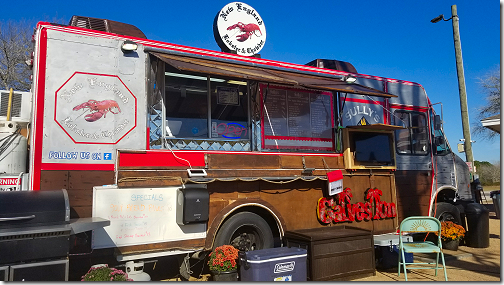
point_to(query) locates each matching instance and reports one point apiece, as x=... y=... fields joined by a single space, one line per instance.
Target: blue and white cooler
x=387 y=250
x=274 y=264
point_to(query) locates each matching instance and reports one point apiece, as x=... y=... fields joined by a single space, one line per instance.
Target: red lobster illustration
x=247 y=30
x=98 y=109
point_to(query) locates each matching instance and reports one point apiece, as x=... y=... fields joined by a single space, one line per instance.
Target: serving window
x=296 y=119
x=203 y=107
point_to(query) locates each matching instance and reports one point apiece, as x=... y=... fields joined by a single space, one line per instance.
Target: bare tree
x=490 y=84
x=16 y=47
x=489 y=173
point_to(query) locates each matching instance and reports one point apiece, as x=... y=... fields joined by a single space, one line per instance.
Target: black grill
x=34 y=230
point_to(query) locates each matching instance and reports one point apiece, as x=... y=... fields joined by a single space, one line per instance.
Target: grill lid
x=34 y=208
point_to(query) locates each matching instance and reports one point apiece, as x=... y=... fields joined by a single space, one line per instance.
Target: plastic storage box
x=274 y=264
x=387 y=250
x=335 y=253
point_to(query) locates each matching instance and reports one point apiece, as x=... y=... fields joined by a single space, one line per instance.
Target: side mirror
x=437 y=123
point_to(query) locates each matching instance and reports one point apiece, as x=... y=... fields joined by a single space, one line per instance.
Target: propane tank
x=13 y=148
x=135 y=271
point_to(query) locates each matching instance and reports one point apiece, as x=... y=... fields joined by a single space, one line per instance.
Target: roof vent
x=333 y=64
x=108 y=26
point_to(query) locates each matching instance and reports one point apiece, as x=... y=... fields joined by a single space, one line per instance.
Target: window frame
x=330 y=147
x=411 y=135
x=209 y=95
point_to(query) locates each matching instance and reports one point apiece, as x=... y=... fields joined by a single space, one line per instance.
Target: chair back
x=420 y=224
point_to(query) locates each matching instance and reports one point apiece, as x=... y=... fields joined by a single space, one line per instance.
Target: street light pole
x=461 y=81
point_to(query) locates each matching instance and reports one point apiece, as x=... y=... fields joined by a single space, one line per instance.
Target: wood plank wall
x=79 y=185
x=413 y=193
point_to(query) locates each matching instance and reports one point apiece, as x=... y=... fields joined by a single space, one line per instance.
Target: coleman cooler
x=387 y=250
x=274 y=264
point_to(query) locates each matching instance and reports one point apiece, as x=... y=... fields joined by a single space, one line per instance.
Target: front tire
x=245 y=230
x=448 y=212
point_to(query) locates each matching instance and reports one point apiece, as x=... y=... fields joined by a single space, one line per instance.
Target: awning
x=266 y=75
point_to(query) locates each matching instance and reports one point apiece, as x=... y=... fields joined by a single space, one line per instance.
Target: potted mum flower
x=222 y=263
x=451 y=234
x=102 y=272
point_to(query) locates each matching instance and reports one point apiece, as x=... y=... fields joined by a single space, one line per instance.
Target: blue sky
x=393 y=39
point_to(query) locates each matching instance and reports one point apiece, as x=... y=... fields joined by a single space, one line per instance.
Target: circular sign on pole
x=238 y=27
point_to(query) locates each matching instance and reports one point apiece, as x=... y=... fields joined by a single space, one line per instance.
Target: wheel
x=245 y=231
x=448 y=212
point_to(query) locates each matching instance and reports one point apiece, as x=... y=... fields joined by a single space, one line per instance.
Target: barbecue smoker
x=35 y=229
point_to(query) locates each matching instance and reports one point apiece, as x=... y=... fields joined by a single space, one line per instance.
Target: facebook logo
x=107 y=156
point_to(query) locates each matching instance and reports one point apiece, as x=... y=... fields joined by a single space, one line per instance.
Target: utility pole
x=461 y=81
x=462 y=87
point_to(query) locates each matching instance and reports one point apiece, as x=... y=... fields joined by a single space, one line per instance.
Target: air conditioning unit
x=20 y=106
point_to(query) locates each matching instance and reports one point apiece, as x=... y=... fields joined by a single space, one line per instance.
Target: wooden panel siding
x=297 y=201
x=54 y=180
x=79 y=185
x=413 y=193
x=332 y=162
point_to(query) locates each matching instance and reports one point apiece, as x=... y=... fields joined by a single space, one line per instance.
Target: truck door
x=444 y=167
x=451 y=172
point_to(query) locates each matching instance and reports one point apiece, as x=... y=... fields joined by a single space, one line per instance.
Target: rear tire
x=448 y=212
x=247 y=230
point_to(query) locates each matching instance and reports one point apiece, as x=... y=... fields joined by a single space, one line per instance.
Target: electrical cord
x=8 y=141
x=167 y=145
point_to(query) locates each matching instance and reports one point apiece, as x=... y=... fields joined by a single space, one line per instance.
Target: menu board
x=321 y=116
x=298 y=114
x=227 y=96
x=296 y=117
x=139 y=216
x=276 y=113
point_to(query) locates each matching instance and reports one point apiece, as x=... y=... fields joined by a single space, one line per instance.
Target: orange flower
x=451 y=231
x=223 y=258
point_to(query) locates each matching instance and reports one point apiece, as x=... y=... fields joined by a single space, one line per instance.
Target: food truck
x=184 y=149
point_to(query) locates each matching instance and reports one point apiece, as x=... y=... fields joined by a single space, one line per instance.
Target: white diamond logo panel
x=95 y=108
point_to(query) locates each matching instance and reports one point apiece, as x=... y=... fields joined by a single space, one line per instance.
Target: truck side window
x=414 y=139
x=440 y=143
x=296 y=119
x=192 y=100
x=229 y=112
x=186 y=105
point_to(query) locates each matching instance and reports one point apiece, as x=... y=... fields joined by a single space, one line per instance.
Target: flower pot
x=221 y=276
x=451 y=244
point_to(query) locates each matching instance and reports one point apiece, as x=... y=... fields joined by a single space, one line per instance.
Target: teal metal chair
x=420 y=224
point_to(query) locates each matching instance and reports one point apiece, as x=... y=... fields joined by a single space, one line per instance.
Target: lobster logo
x=98 y=109
x=247 y=30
